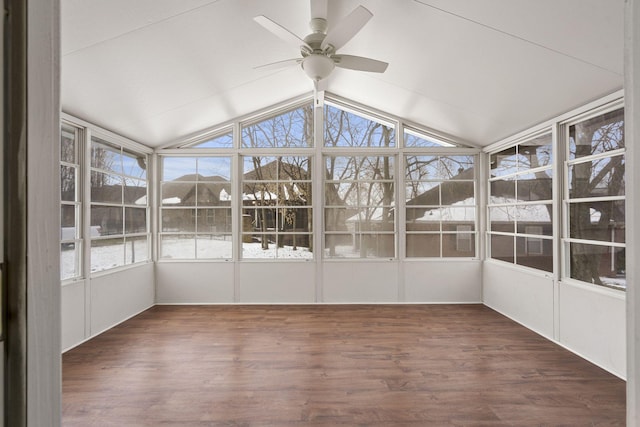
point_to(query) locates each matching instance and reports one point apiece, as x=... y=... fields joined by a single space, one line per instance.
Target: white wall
x=92 y=306
x=586 y=319
x=194 y=283
x=364 y=281
x=591 y=322
x=527 y=298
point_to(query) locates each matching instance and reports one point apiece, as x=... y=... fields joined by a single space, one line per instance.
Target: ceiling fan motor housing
x=318 y=66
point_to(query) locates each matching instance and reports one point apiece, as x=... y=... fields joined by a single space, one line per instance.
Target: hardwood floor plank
x=386 y=365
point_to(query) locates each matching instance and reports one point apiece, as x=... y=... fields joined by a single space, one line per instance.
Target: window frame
x=195 y=208
x=567 y=201
x=516 y=204
x=78 y=240
x=439 y=153
x=100 y=136
x=317 y=153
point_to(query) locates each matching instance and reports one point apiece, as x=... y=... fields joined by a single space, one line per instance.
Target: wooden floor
x=391 y=365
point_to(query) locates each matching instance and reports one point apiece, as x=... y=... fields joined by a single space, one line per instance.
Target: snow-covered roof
x=142 y=201
x=464 y=210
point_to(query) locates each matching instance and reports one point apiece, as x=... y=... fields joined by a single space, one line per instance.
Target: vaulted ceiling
x=480 y=70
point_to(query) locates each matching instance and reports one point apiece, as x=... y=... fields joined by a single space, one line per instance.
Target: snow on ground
x=177 y=248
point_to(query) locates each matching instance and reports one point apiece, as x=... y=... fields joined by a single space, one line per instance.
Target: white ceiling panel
x=158 y=70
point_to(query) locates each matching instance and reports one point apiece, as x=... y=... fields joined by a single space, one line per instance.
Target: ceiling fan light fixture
x=317 y=66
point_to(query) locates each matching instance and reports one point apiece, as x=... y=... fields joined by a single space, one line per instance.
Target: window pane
x=68 y=224
x=347 y=129
x=105 y=156
x=598 y=220
x=276 y=246
x=416 y=139
x=211 y=194
x=106 y=188
x=420 y=168
x=423 y=219
x=178 y=194
x=423 y=245
x=179 y=220
x=221 y=141
x=422 y=193
x=453 y=192
x=597 y=178
x=503 y=191
x=177 y=247
x=134 y=165
x=210 y=246
x=108 y=218
x=502 y=218
x=70 y=260
x=68 y=144
x=257 y=245
x=535 y=253
x=135 y=220
x=364 y=245
x=535 y=153
x=535 y=188
x=107 y=253
x=214 y=169
x=179 y=168
x=335 y=219
x=601 y=265
x=136 y=249
x=597 y=135
x=541 y=228
x=533 y=214
x=68 y=183
x=458 y=245
x=290 y=129
x=504 y=162
x=214 y=221
x=502 y=248
x=135 y=192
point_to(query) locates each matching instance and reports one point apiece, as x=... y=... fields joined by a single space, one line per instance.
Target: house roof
x=159 y=70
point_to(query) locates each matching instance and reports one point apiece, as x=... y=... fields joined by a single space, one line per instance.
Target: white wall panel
x=194 y=283
x=73 y=314
x=370 y=282
x=592 y=324
x=525 y=297
x=276 y=282
x=443 y=281
x=120 y=295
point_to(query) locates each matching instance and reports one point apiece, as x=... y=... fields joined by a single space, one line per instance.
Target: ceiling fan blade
x=319 y=9
x=360 y=63
x=347 y=28
x=279 y=64
x=281 y=32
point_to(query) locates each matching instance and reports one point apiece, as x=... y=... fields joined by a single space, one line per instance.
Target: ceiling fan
x=318 y=49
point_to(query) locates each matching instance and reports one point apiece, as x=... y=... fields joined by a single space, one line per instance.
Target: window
x=276 y=207
x=344 y=128
x=224 y=140
x=464 y=238
x=71 y=241
x=359 y=207
x=280 y=167
x=413 y=138
x=440 y=206
x=594 y=238
x=533 y=245
x=520 y=204
x=195 y=208
x=291 y=129
x=119 y=206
